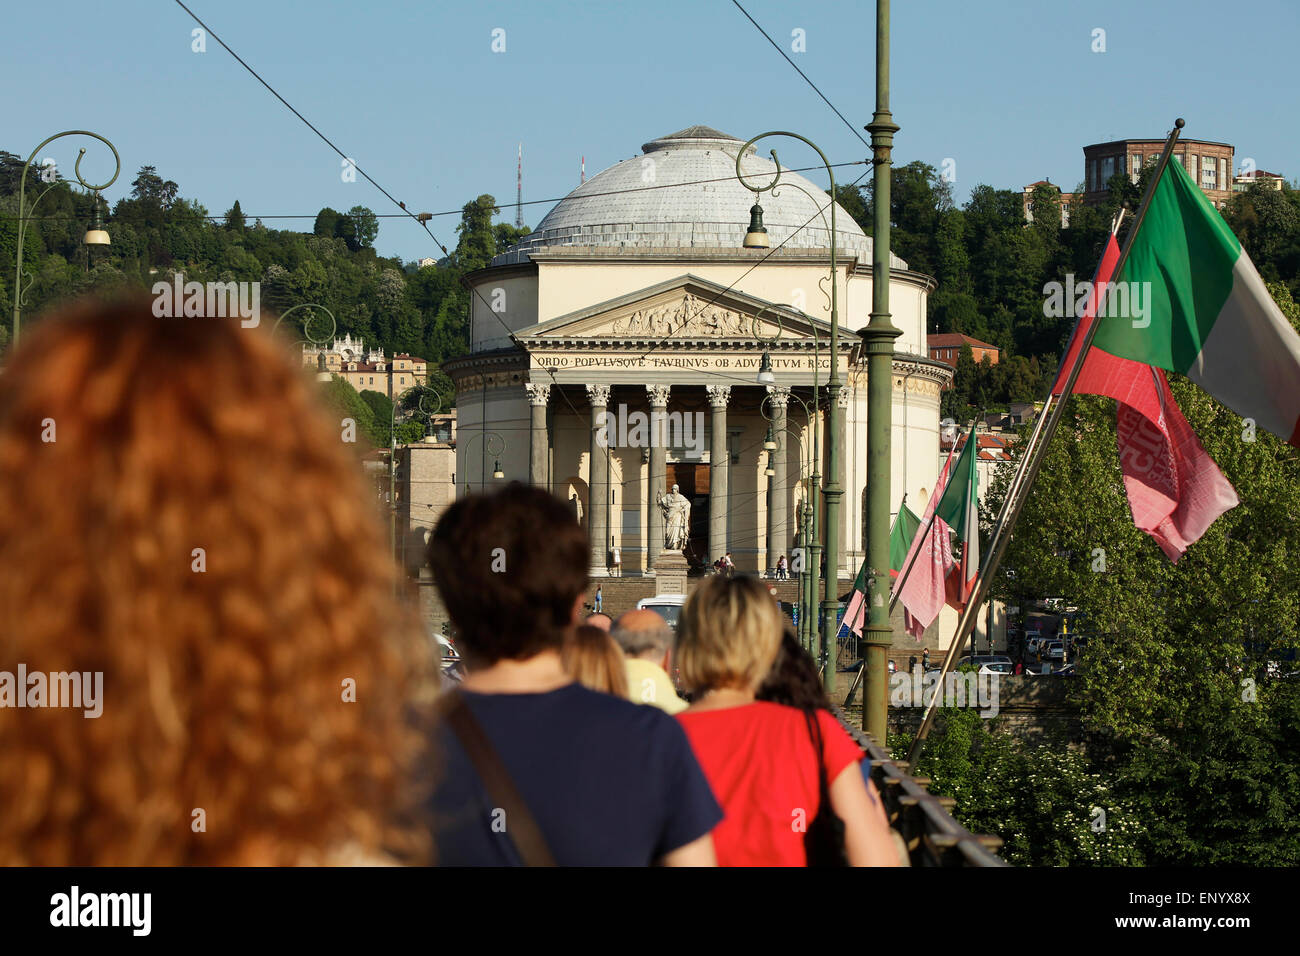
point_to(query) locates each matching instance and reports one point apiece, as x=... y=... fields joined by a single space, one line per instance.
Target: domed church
x=616 y=352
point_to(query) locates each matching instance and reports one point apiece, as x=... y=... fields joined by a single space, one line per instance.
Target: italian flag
x=1191 y=301
x=933 y=577
x=960 y=509
x=906 y=525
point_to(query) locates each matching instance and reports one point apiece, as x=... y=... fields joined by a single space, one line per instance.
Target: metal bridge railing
x=928 y=831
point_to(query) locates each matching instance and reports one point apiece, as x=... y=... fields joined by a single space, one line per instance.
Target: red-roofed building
x=945 y=347
x=991 y=451
x=1259 y=176
x=368 y=369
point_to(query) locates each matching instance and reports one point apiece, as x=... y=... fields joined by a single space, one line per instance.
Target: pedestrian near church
x=594 y=780
x=771 y=766
x=600 y=599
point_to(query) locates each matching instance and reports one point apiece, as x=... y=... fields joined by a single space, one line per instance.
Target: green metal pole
x=392 y=485
x=878 y=346
x=815 y=552
x=23 y=214
x=832 y=491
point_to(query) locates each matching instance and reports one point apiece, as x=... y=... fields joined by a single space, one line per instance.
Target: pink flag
x=1175 y=489
x=855 y=615
x=924 y=591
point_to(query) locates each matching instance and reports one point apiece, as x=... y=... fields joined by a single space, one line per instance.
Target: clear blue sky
x=1009 y=89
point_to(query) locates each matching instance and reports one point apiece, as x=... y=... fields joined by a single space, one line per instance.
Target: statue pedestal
x=670 y=572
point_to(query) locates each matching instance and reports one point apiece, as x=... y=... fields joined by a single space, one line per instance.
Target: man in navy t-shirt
x=608 y=782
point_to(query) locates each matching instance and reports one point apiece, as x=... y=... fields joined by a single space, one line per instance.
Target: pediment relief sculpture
x=688 y=317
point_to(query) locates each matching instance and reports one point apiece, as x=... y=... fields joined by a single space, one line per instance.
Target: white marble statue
x=677 y=520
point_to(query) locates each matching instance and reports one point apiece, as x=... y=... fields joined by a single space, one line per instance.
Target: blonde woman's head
x=591 y=657
x=728 y=634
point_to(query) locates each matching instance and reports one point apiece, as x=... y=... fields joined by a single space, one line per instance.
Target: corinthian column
x=778 y=517
x=658 y=468
x=719 y=471
x=538 y=447
x=598 y=481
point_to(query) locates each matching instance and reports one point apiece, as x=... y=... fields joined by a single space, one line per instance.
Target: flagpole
x=857 y=678
x=897 y=585
x=916 y=552
x=1013 y=489
x=999 y=545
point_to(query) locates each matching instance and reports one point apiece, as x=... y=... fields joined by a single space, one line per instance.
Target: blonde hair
x=593 y=659
x=728 y=634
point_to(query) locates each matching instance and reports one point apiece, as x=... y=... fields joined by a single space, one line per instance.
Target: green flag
x=906 y=525
x=1188 y=299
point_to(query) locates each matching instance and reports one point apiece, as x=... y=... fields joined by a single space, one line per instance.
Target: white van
x=667 y=606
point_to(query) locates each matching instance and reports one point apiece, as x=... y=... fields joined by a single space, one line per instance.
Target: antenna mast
x=519 y=190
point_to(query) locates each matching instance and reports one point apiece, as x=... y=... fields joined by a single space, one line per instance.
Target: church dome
x=682 y=192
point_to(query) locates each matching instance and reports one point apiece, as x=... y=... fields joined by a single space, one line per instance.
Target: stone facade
x=368 y=370
x=631 y=308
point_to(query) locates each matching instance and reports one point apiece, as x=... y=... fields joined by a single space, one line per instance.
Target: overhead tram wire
x=328 y=142
x=778 y=49
x=513 y=338
x=456 y=212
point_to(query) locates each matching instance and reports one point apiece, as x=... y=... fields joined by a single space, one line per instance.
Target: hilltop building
x=369 y=370
x=945 y=347
x=1208 y=163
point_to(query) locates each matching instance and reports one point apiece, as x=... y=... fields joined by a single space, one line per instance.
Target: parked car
x=981 y=660
x=667 y=606
x=1055 y=650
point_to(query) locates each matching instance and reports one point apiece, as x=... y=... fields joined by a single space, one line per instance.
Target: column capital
x=842 y=399
x=778 y=395
x=658 y=395
x=719 y=395
x=539 y=393
x=598 y=395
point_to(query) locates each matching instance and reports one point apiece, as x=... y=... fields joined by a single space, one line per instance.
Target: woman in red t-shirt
x=759 y=757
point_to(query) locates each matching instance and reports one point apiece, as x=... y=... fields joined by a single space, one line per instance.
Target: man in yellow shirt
x=647 y=643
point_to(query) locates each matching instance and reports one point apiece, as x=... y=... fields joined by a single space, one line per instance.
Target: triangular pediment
x=685 y=308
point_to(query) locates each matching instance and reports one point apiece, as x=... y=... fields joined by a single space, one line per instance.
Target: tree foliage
x=992 y=264
x=156 y=232
x=1187 y=719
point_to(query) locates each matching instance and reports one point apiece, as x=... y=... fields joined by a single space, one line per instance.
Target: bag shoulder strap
x=522 y=828
x=815 y=731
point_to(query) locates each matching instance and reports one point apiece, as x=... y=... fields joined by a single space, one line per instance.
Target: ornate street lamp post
x=807 y=513
x=832 y=490
x=424 y=391
x=94 y=236
x=810 y=536
x=490 y=440
x=878 y=346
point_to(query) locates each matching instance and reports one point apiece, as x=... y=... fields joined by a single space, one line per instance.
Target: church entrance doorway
x=693 y=481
